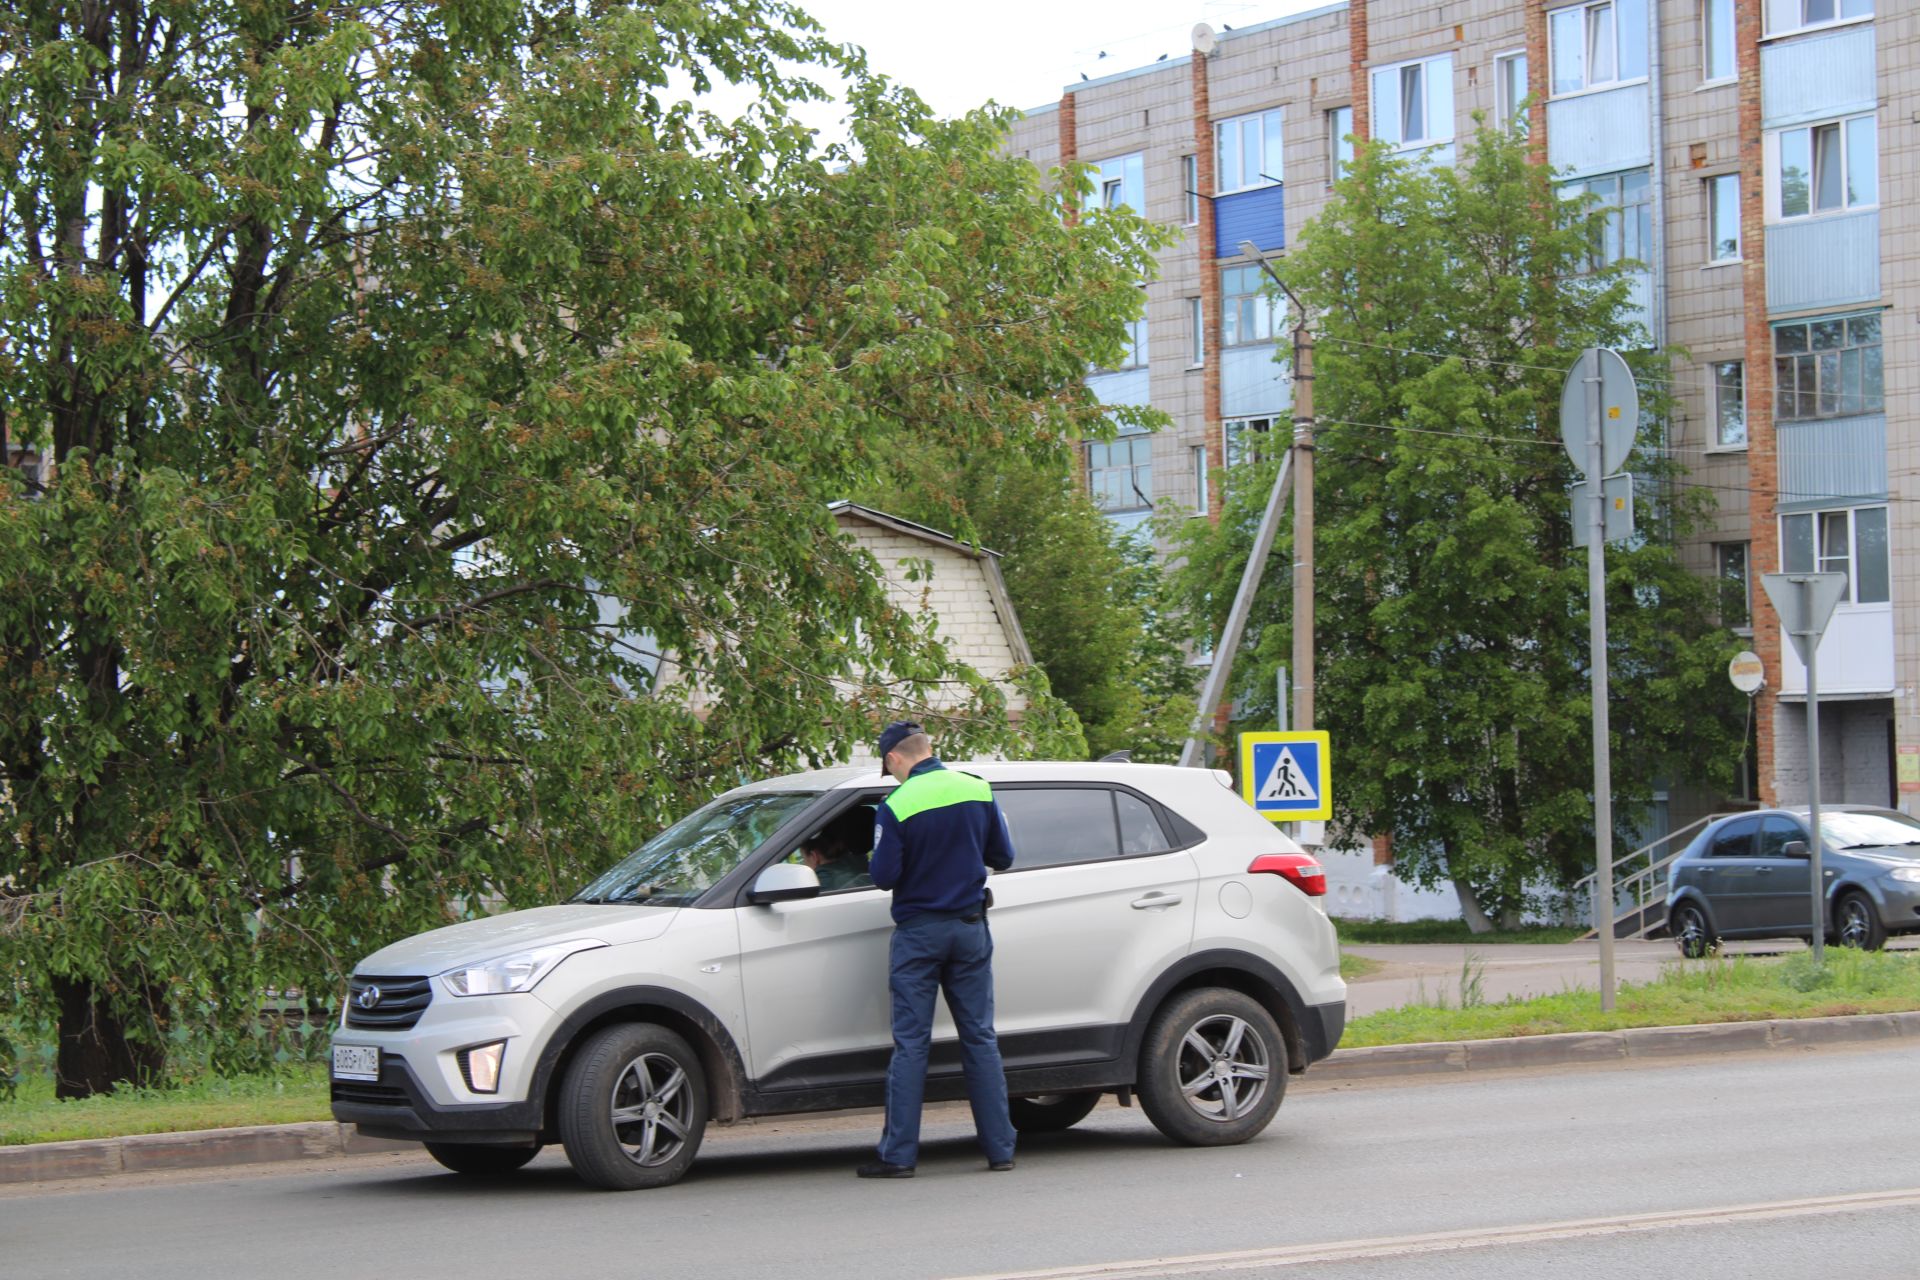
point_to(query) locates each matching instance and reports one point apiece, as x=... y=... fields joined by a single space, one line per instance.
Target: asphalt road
x=1757 y=1165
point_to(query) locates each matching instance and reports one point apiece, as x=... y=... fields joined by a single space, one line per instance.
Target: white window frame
x=1275 y=313
x=1716 y=395
x=1508 y=115
x=1196 y=333
x=1789 y=17
x=1711 y=188
x=1775 y=192
x=1436 y=91
x=1136 y=469
x=1271 y=124
x=1744 y=578
x=1588 y=83
x=1825 y=371
x=1198 y=454
x=1121 y=173
x=1237 y=433
x=1848 y=564
x=1339 y=149
x=1708 y=25
x=1616 y=211
x=1190 y=189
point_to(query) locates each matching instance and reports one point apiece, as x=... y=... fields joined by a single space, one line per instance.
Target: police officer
x=935 y=838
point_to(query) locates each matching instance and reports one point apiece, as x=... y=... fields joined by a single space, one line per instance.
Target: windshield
x=1868 y=830
x=689 y=857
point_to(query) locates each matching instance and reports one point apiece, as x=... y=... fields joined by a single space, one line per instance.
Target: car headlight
x=520 y=971
x=1910 y=874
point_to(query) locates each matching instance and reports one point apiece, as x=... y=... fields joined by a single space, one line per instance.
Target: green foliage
x=415 y=374
x=1089 y=600
x=1409 y=932
x=1451 y=608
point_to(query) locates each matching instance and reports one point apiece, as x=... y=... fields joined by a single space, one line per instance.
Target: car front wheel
x=1052 y=1112
x=1857 y=924
x=1213 y=1068
x=633 y=1108
x=479 y=1159
x=1691 y=933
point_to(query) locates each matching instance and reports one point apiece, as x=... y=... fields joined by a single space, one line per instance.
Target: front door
x=1731 y=877
x=1783 y=890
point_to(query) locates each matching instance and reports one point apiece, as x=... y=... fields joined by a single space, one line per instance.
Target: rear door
x=1097 y=902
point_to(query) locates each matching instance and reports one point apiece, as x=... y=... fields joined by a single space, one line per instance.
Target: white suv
x=1154 y=936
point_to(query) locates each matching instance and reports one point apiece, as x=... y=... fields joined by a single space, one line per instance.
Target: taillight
x=1302 y=870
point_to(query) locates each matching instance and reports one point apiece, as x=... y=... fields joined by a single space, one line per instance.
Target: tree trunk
x=95 y=1053
x=1470 y=908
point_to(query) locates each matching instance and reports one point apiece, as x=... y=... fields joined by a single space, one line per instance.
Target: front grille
x=370 y=1095
x=399 y=1004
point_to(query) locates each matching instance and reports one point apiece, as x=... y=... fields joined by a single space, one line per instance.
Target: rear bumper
x=397 y=1107
x=1322 y=1028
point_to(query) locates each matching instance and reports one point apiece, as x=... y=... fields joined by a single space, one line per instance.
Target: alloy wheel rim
x=1853 y=924
x=652 y=1109
x=1224 y=1068
x=1693 y=933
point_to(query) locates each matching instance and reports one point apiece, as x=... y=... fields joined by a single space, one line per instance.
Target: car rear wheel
x=479 y=1159
x=1691 y=932
x=1052 y=1112
x=633 y=1108
x=1213 y=1068
x=1857 y=924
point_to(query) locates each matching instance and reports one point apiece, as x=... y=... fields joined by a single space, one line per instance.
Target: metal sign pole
x=1597 y=641
x=1813 y=780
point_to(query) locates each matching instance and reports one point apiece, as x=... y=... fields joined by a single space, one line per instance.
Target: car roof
x=860 y=776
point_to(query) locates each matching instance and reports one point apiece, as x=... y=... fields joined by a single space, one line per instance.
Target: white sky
x=1021 y=53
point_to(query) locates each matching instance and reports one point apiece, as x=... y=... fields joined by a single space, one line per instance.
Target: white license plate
x=356 y=1062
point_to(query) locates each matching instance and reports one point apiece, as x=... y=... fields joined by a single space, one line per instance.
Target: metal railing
x=1643 y=884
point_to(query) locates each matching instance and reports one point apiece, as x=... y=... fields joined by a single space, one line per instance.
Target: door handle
x=1153 y=900
x=1765 y=871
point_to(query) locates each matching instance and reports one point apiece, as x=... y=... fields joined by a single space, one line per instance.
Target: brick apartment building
x=1759 y=160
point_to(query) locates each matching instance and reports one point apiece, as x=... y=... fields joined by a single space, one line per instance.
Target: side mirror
x=1794 y=849
x=784 y=882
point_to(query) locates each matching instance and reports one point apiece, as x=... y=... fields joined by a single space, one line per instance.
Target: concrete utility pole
x=1299 y=461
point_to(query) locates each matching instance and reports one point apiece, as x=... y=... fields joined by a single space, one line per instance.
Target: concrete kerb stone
x=263 y=1144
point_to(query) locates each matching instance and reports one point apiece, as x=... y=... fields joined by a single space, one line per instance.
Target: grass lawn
x=35 y=1116
x=1352 y=967
x=1425 y=931
x=1722 y=989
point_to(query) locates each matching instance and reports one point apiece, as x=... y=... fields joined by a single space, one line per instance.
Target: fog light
x=481 y=1066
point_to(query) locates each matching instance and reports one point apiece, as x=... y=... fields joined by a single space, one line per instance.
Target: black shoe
x=881 y=1169
x=1001 y=1166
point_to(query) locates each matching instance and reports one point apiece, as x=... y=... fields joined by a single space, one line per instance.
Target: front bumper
x=396 y=1106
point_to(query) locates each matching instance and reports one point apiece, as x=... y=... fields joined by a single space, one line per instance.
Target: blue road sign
x=1287 y=777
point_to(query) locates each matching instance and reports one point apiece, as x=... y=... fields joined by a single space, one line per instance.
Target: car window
x=839 y=850
x=1735 y=840
x=1775 y=832
x=1052 y=825
x=689 y=857
x=1140 y=829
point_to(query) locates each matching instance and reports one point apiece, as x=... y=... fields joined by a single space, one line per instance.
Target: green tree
x=404 y=370
x=1088 y=598
x=1451 y=608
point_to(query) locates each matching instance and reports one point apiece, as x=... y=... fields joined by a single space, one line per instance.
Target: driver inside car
x=838 y=851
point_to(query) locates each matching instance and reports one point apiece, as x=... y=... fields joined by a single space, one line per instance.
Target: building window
x=1135 y=355
x=1190 y=188
x=1626 y=232
x=1723 y=218
x=1825 y=168
x=1736 y=591
x=1595 y=45
x=1339 y=143
x=1248 y=317
x=1120 y=473
x=1510 y=91
x=1413 y=102
x=1196 y=333
x=1853 y=542
x=1121 y=182
x=1729 y=393
x=1248 y=440
x=1247 y=152
x=1716 y=40
x=1199 y=454
x=1794 y=15
x=1827 y=368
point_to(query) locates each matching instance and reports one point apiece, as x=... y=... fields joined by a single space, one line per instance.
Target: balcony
x=1604 y=131
x=1254 y=382
x=1831 y=261
x=1258 y=215
x=1830 y=462
x=1817 y=78
x=1856 y=656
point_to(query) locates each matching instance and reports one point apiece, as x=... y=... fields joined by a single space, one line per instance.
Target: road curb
x=320 y=1139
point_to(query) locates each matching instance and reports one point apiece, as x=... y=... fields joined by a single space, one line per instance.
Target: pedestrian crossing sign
x=1287 y=777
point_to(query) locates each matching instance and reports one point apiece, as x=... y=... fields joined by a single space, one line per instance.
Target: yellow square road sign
x=1288 y=777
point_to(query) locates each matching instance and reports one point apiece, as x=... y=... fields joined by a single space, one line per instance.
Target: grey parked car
x=1747 y=877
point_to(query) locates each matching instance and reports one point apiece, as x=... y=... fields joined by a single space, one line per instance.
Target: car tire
x=1213 y=1068
x=481 y=1160
x=633 y=1108
x=1051 y=1112
x=1691 y=932
x=1856 y=923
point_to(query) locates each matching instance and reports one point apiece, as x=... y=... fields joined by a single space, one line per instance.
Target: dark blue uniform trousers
x=930 y=953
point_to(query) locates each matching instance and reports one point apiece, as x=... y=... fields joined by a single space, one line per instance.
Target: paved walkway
x=1427 y=973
